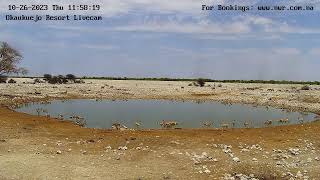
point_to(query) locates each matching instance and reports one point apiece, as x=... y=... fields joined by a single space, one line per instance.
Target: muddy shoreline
x=288 y=97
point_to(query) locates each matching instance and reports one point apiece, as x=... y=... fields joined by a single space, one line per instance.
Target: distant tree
x=71 y=77
x=47 y=76
x=3 y=79
x=61 y=79
x=306 y=87
x=53 y=80
x=64 y=80
x=9 y=60
x=201 y=82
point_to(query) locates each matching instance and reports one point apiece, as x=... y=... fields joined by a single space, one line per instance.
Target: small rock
x=299 y=175
x=236 y=159
x=204 y=154
x=309 y=160
x=197 y=162
x=84 y=152
x=122 y=148
x=207 y=171
x=59 y=152
x=90 y=141
x=294 y=151
x=108 y=148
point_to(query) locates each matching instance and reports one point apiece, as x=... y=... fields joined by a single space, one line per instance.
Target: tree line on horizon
x=188 y=79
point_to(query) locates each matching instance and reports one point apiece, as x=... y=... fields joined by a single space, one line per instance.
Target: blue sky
x=162 y=38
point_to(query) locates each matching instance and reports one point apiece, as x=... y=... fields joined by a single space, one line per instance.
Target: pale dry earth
x=33 y=147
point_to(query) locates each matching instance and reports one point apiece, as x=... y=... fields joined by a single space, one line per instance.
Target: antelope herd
x=168 y=124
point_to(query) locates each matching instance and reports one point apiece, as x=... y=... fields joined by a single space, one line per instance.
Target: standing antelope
x=168 y=124
x=268 y=122
x=207 y=124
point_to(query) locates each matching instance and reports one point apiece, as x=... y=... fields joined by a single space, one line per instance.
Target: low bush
x=12 y=81
x=260 y=171
x=3 y=79
x=37 y=81
x=306 y=87
x=201 y=82
x=54 y=80
x=71 y=77
x=79 y=81
x=47 y=77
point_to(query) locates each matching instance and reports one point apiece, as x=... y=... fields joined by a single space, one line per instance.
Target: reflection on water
x=147 y=114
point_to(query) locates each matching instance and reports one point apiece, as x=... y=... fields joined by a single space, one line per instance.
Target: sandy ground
x=33 y=147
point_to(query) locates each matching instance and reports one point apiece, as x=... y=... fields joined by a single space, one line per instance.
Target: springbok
x=246 y=124
x=233 y=123
x=137 y=124
x=76 y=117
x=168 y=124
x=60 y=116
x=38 y=111
x=225 y=125
x=78 y=120
x=268 y=122
x=207 y=124
x=301 y=120
x=283 y=120
x=116 y=126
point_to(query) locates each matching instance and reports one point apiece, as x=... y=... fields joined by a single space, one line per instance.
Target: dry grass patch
x=259 y=170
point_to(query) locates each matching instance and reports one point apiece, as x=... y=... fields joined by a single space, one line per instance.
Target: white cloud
x=284 y=27
x=240 y=52
x=287 y=51
x=103 y=47
x=186 y=27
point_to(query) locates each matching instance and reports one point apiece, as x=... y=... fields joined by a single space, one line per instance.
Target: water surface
x=149 y=113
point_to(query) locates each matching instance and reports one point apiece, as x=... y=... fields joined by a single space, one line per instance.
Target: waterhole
x=154 y=114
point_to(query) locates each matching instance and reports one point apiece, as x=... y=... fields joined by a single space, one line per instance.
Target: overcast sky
x=172 y=38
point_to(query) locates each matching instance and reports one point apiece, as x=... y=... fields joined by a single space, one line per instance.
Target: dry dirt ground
x=33 y=147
